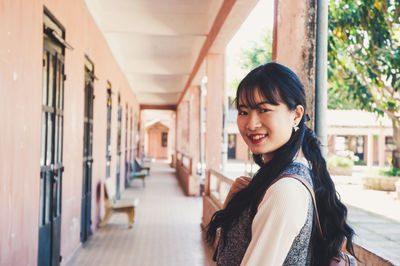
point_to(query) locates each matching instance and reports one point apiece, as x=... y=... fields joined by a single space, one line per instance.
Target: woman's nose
x=253 y=122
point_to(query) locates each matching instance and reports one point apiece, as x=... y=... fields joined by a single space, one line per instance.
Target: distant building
x=368 y=136
x=157 y=140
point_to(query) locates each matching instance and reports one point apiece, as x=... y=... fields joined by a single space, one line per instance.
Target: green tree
x=364 y=57
x=260 y=52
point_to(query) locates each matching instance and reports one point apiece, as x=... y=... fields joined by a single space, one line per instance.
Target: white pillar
x=381 y=147
x=370 y=150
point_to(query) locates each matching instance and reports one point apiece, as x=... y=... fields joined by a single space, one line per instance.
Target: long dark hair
x=278 y=83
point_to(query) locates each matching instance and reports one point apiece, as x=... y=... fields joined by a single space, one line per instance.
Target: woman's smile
x=257 y=137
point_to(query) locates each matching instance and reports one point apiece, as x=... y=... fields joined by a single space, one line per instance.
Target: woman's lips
x=257 y=138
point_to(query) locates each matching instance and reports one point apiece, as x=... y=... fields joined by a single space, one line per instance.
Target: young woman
x=274 y=223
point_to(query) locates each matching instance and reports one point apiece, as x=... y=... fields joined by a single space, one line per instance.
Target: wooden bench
x=114 y=206
x=135 y=174
x=142 y=167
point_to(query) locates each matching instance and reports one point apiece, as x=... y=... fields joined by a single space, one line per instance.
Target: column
x=370 y=150
x=294 y=44
x=381 y=147
x=215 y=64
x=194 y=137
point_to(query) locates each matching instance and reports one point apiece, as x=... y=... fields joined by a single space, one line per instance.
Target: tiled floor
x=166 y=231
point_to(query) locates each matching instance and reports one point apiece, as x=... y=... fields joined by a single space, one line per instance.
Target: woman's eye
x=242 y=113
x=263 y=110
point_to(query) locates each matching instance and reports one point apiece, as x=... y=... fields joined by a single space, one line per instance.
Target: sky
x=262 y=17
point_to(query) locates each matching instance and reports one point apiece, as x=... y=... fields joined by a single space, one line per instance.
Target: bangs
x=257 y=85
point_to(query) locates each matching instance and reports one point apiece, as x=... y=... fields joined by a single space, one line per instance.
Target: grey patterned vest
x=232 y=248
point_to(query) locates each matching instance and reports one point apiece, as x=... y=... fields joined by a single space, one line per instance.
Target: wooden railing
x=184 y=160
x=187 y=161
x=216 y=188
x=189 y=182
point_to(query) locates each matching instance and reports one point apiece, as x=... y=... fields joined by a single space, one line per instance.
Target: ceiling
x=158 y=43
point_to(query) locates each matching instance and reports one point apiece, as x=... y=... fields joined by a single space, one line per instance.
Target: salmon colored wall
x=155 y=148
x=241 y=148
x=21 y=51
x=20 y=122
x=294 y=43
x=167 y=118
x=172 y=135
x=214 y=105
x=194 y=127
x=182 y=134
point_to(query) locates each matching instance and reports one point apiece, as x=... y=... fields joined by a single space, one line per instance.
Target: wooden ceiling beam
x=157 y=107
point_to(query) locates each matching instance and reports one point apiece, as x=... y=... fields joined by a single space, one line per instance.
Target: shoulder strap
x=309 y=188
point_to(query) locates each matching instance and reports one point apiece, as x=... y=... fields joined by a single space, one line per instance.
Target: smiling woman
x=273 y=219
x=261 y=125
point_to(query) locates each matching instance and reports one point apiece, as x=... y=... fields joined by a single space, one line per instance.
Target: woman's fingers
x=247 y=178
x=241 y=182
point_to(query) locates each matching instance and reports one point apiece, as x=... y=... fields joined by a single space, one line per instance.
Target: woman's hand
x=239 y=184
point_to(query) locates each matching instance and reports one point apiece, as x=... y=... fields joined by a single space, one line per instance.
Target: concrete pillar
x=294 y=44
x=331 y=144
x=215 y=64
x=381 y=147
x=370 y=150
x=194 y=138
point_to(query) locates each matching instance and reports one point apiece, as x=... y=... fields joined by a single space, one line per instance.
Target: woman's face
x=268 y=127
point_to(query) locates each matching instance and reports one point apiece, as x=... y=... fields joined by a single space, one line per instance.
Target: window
x=164 y=139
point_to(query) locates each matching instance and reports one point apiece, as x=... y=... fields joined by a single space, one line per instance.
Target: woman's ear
x=298 y=114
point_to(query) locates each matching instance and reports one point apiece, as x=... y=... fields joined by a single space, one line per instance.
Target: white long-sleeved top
x=279 y=218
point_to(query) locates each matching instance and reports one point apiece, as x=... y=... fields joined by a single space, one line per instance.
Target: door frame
x=87 y=167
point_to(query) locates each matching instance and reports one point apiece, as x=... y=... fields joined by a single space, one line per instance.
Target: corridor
x=166 y=229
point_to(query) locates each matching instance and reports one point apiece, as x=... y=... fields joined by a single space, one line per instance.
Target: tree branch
x=371 y=90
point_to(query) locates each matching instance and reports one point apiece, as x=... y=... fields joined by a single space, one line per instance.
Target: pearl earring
x=295 y=128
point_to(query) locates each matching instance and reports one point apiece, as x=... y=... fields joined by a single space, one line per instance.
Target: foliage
x=364 y=56
x=391 y=172
x=260 y=52
x=360 y=162
x=343 y=161
x=338 y=101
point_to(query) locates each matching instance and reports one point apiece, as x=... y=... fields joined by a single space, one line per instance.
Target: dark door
x=108 y=144
x=360 y=147
x=126 y=148
x=231 y=146
x=118 y=193
x=87 y=154
x=51 y=166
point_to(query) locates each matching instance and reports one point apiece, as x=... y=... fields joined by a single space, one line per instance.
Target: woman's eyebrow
x=261 y=103
x=257 y=105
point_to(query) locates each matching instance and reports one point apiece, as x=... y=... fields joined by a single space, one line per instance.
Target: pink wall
x=155 y=148
x=20 y=120
x=194 y=138
x=20 y=109
x=241 y=148
x=294 y=43
x=166 y=117
x=215 y=65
